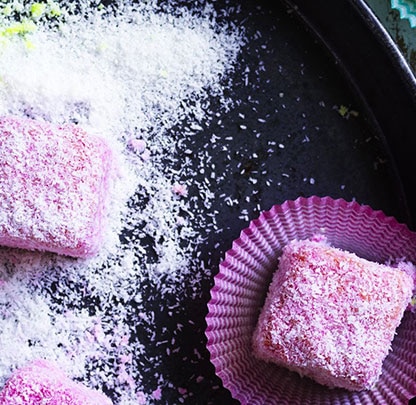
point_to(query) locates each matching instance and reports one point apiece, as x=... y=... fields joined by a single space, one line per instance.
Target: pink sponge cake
x=331 y=315
x=41 y=382
x=54 y=183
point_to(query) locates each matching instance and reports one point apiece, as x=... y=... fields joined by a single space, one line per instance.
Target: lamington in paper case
x=313 y=304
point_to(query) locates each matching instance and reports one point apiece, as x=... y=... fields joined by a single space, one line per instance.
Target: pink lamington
x=42 y=382
x=331 y=315
x=54 y=183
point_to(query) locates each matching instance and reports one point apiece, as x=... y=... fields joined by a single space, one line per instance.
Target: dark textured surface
x=398 y=28
x=288 y=136
x=301 y=126
x=376 y=68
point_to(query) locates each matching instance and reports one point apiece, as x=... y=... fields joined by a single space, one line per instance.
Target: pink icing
x=54 y=189
x=331 y=315
x=42 y=382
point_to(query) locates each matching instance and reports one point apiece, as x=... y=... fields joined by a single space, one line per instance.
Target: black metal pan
x=327 y=106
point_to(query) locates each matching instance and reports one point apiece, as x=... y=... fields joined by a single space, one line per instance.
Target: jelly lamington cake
x=331 y=315
x=54 y=183
x=42 y=382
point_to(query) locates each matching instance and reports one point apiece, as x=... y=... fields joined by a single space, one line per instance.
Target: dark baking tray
x=307 y=70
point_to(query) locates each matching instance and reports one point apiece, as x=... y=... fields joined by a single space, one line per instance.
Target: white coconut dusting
x=131 y=77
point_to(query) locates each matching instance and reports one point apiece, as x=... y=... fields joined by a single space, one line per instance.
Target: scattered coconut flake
x=180 y=189
x=132 y=74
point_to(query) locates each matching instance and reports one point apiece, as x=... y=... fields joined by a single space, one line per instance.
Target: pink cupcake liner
x=241 y=286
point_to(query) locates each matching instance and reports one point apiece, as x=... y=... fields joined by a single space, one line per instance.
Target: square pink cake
x=42 y=382
x=54 y=183
x=331 y=315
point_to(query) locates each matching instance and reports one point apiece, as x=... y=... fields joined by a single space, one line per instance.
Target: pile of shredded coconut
x=131 y=74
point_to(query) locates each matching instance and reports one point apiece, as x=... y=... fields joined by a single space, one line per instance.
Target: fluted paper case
x=241 y=285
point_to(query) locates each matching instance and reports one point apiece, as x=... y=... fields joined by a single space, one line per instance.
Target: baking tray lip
x=378 y=73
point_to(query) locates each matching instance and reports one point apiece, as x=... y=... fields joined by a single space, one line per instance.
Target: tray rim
x=396 y=124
